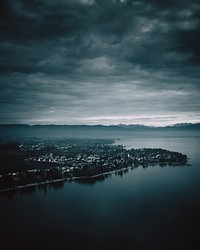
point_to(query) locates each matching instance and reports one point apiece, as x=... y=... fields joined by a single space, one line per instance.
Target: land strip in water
x=34 y=161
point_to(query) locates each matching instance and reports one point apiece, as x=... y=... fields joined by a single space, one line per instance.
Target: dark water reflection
x=92 y=181
x=60 y=184
x=145 y=208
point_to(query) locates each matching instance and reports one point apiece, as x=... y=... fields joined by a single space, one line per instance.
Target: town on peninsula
x=34 y=161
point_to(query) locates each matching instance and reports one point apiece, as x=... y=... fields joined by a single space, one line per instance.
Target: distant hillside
x=98 y=131
x=188 y=126
x=185 y=126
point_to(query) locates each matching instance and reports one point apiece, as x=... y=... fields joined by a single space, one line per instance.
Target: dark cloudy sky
x=99 y=61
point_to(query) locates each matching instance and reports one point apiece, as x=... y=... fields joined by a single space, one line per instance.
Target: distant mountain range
x=90 y=131
x=119 y=126
x=175 y=126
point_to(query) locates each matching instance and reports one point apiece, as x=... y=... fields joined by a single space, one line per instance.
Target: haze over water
x=145 y=208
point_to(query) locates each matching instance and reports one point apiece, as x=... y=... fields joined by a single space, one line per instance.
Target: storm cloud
x=99 y=61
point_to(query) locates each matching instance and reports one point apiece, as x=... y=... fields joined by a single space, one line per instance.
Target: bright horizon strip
x=150 y=120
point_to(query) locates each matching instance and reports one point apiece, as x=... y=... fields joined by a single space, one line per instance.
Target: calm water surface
x=151 y=208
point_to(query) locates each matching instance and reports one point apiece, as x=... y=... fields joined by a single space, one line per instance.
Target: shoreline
x=80 y=177
x=66 y=179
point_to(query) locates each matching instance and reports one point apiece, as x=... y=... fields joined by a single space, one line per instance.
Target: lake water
x=146 y=208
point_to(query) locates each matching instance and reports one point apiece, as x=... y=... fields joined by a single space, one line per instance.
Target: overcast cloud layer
x=99 y=61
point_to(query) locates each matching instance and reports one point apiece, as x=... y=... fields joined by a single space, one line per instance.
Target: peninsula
x=34 y=161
